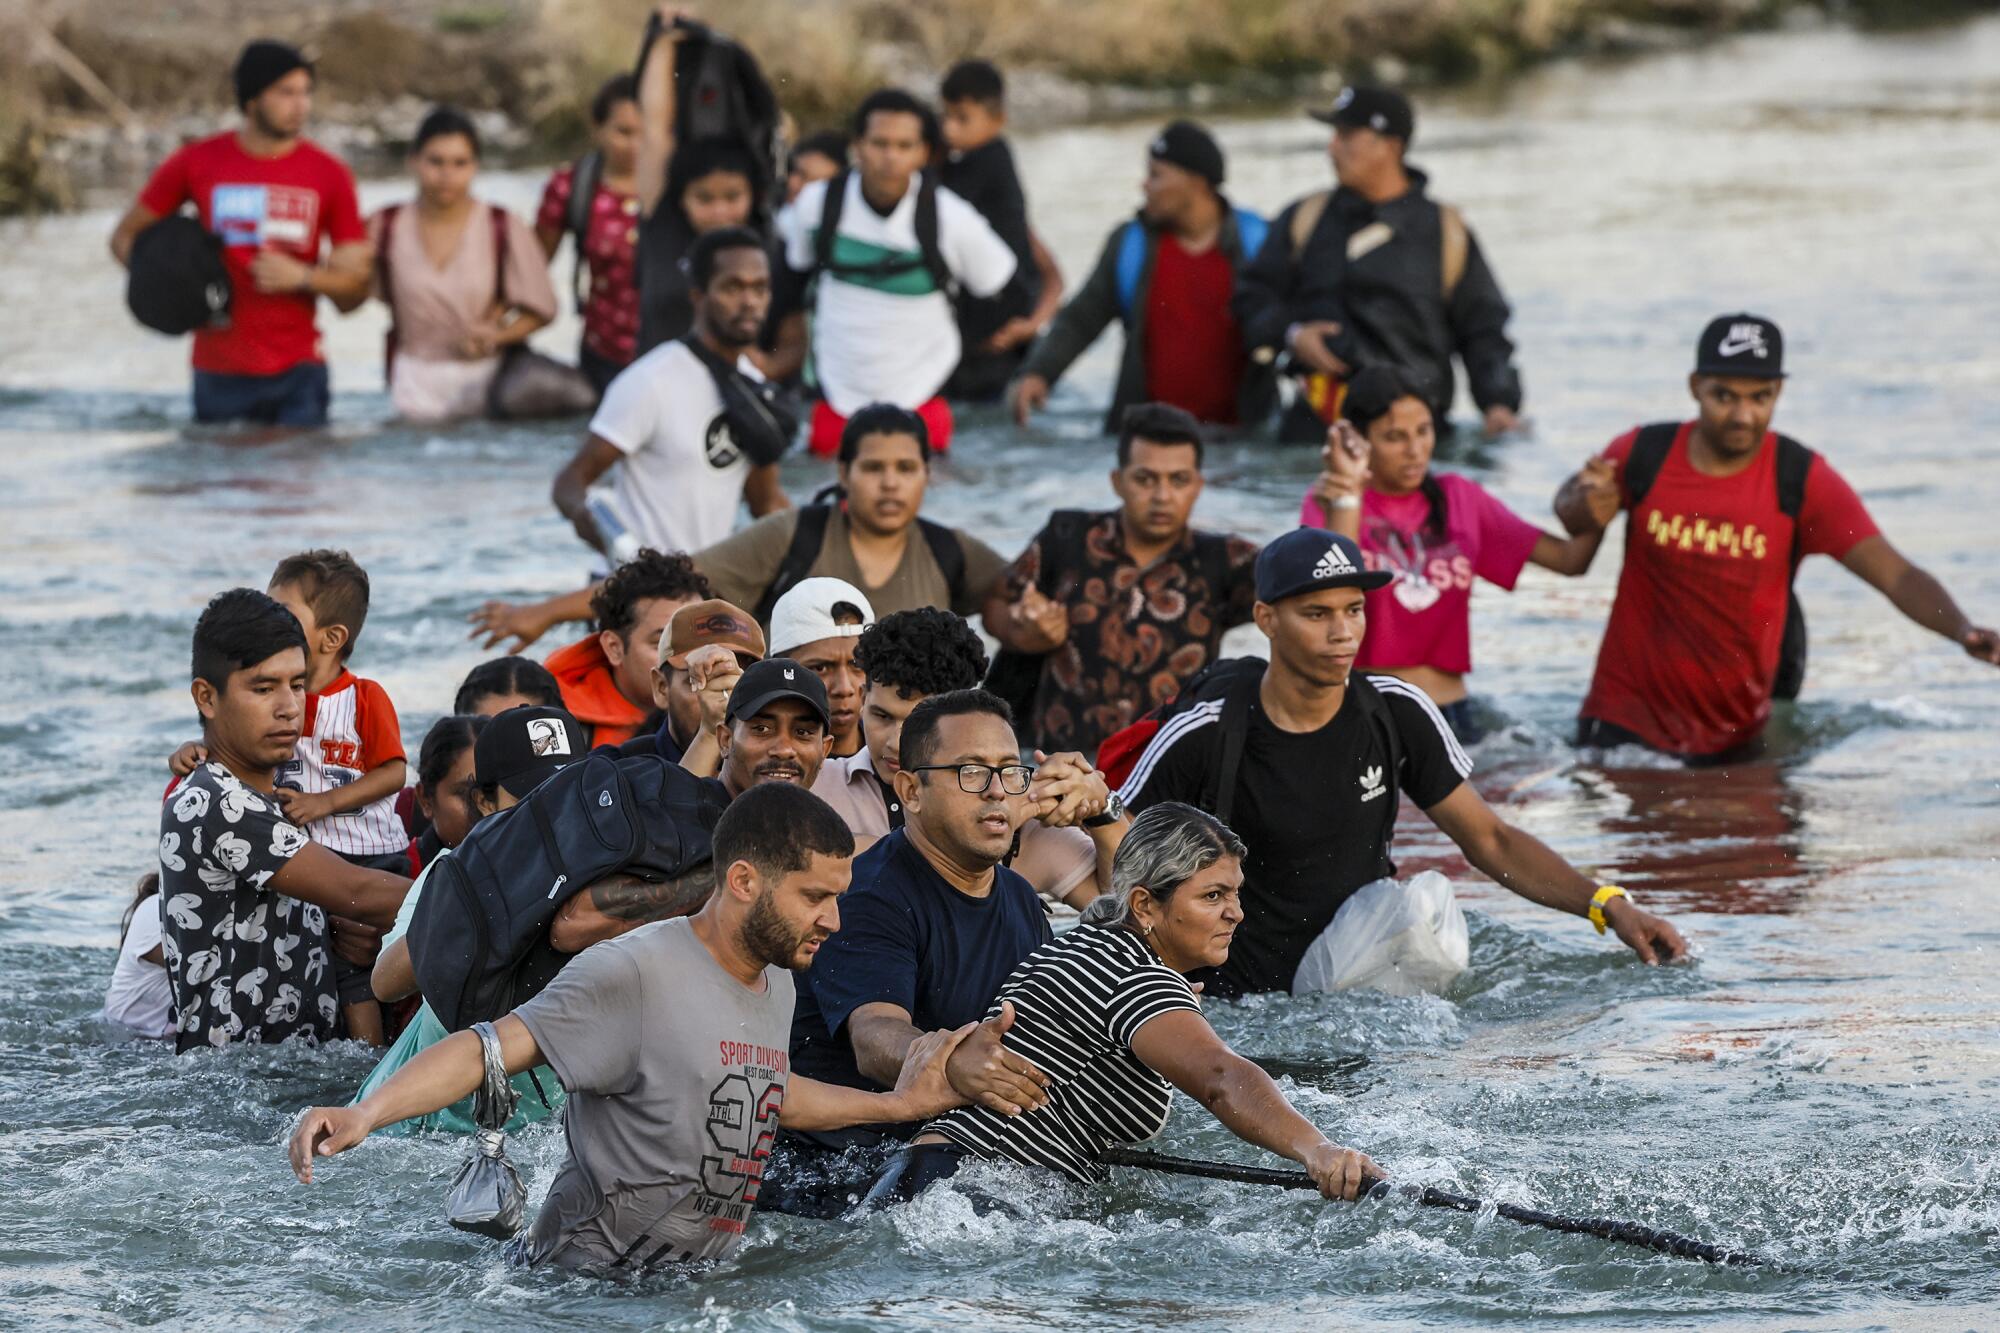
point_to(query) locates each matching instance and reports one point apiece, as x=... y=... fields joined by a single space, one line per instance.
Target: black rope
x=1605 y=1228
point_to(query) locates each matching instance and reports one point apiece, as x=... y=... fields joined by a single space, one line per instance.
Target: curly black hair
x=923 y=652
x=649 y=574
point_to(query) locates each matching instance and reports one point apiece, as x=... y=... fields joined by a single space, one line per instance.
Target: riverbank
x=106 y=91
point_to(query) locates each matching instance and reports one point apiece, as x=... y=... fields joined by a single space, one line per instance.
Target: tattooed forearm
x=629 y=898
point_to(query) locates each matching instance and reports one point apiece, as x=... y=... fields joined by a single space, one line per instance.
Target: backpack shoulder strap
x=949 y=553
x=1795 y=462
x=583 y=179
x=1251 y=229
x=926 y=223
x=807 y=538
x=1132 y=246
x=383 y=268
x=1305 y=221
x=1235 y=722
x=1455 y=244
x=829 y=218
x=1649 y=454
x=496 y=216
x=584 y=176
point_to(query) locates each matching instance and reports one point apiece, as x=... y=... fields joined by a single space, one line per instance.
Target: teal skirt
x=424 y=1032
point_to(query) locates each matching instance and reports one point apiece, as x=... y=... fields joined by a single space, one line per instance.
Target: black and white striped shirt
x=1078 y=1003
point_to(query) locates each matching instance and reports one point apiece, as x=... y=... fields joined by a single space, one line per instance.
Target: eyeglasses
x=974 y=779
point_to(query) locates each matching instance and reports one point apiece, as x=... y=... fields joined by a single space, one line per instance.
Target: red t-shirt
x=1194 y=352
x=610 y=253
x=1699 y=621
x=294 y=204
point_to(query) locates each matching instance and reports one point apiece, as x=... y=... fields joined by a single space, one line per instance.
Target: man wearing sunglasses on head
x=932 y=925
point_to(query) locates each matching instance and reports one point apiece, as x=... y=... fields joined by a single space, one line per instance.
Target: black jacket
x=1096 y=305
x=1390 y=300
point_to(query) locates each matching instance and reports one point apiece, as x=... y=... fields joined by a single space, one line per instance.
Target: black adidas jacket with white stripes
x=1317 y=811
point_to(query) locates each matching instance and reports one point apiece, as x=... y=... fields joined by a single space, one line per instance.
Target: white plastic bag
x=1395 y=938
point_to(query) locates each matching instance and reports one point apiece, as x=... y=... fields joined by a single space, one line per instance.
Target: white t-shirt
x=889 y=339
x=140 y=997
x=682 y=476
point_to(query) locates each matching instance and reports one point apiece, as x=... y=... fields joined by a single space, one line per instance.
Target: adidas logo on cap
x=1333 y=564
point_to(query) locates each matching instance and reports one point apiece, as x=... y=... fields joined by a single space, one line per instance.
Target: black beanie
x=262 y=64
x=1187 y=145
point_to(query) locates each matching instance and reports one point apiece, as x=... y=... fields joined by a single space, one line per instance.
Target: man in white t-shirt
x=883 y=326
x=680 y=467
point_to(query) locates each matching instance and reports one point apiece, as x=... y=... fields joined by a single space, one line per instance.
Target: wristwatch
x=1114 y=811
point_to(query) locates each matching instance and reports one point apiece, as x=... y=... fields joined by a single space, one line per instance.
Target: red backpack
x=1233 y=680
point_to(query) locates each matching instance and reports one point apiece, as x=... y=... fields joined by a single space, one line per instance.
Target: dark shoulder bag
x=763 y=418
x=1017 y=676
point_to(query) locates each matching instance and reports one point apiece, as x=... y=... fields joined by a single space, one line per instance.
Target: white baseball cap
x=805 y=614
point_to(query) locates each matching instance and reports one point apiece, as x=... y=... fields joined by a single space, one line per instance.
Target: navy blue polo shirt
x=908 y=938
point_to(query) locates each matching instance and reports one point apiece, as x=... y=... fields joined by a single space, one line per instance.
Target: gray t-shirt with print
x=675 y=1072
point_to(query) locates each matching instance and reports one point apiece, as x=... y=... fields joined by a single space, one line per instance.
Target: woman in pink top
x=1435 y=532
x=464 y=281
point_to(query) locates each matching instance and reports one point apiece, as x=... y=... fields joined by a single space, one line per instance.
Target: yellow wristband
x=1601 y=897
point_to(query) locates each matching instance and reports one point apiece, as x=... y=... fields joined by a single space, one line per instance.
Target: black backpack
x=177 y=282
x=720 y=92
x=584 y=178
x=930 y=256
x=810 y=535
x=1017 y=676
x=479 y=941
x=1642 y=468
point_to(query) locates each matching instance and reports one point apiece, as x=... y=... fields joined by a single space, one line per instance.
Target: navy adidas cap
x=1309 y=559
x=1741 y=346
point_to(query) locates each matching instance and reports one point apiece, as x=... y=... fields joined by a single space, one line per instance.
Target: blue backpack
x=1250 y=228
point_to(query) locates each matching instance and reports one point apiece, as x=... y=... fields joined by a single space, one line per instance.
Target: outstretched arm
x=438 y=1077
x=1919 y=596
x=1522 y=863
x=1182 y=1048
x=921 y=1091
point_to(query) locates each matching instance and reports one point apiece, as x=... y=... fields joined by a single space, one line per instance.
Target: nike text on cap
x=1741 y=346
x=522 y=746
x=764 y=683
x=1309 y=559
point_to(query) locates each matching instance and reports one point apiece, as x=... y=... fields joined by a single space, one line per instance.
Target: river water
x=1820 y=1085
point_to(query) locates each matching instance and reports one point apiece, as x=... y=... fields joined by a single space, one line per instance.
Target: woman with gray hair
x=1106 y=1012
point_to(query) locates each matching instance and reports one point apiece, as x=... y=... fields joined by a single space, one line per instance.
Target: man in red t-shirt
x=274 y=200
x=1168 y=277
x=1693 y=649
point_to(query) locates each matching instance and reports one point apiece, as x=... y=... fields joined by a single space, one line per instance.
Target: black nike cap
x=1742 y=347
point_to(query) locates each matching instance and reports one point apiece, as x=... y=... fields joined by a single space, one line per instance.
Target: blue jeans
x=297 y=397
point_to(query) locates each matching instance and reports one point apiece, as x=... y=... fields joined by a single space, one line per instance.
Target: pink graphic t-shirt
x=1424 y=618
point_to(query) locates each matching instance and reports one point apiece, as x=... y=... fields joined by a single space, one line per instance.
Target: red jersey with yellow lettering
x=350 y=729
x=1695 y=633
